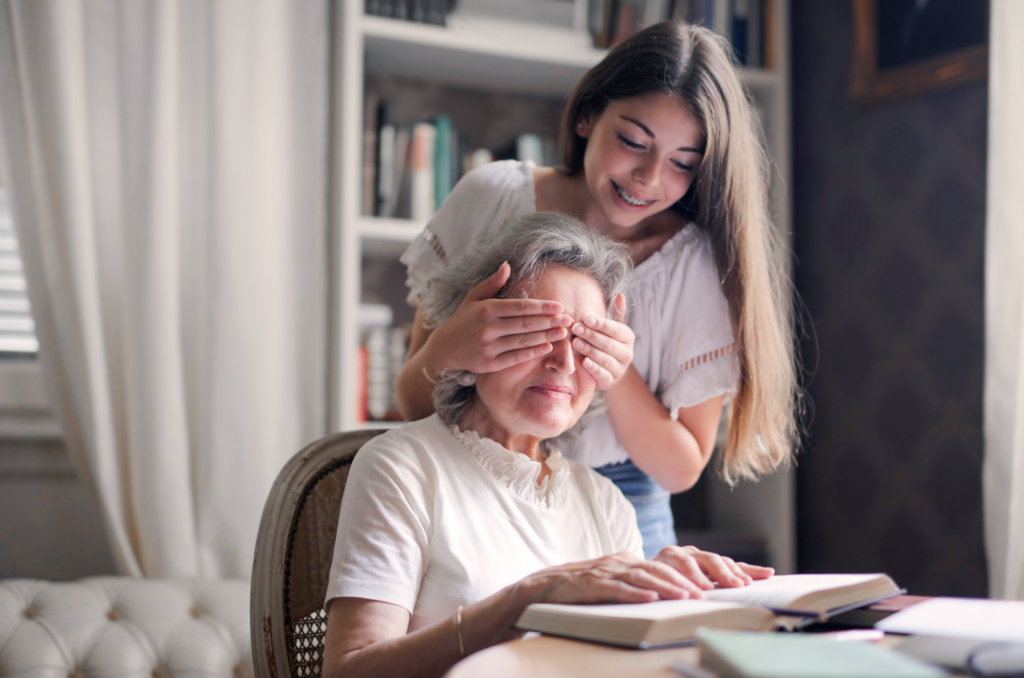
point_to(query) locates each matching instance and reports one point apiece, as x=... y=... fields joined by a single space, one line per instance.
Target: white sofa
x=124 y=627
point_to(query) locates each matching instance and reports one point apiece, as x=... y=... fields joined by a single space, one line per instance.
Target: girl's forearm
x=659 y=445
x=414 y=391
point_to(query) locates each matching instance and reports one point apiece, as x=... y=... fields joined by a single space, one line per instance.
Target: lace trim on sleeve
x=435 y=243
x=705 y=358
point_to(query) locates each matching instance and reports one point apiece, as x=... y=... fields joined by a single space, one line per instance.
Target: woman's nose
x=561 y=358
x=648 y=172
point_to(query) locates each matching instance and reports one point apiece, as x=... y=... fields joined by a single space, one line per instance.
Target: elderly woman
x=452 y=525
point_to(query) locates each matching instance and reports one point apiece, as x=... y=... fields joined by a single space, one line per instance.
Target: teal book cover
x=739 y=654
x=443 y=158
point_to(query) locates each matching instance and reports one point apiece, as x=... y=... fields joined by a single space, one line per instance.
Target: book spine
x=423 y=191
x=418 y=11
x=625 y=21
x=362 y=375
x=385 y=157
x=398 y=347
x=442 y=158
x=755 y=34
x=399 y=206
x=369 y=155
x=654 y=12
x=738 y=32
x=602 y=16
x=457 y=145
x=379 y=373
x=680 y=10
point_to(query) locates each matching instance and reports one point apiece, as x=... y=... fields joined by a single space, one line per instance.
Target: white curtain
x=166 y=164
x=1004 y=304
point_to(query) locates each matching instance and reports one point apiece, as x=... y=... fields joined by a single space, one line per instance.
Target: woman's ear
x=583 y=126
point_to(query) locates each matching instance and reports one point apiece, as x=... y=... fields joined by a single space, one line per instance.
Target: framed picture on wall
x=907 y=47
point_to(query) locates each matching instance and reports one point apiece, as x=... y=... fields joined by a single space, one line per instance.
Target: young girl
x=660 y=152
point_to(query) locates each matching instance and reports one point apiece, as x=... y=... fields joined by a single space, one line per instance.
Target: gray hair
x=529 y=244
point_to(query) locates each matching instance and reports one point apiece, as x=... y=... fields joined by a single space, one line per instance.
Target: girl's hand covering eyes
x=606 y=345
x=487 y=334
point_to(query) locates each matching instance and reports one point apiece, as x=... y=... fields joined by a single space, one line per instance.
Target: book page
x=660 y=609
x=781 y=590
x=1001 y=620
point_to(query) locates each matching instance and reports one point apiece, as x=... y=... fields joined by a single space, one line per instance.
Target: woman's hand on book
x=621 y=578
x=707 y=569
x=487 y=334
x=606 y=345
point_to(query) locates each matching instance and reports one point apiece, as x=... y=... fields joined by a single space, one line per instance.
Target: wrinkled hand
x=606 y=344
x=621 y=578
x=487 y=334
x=677 y=572
x=705 y=569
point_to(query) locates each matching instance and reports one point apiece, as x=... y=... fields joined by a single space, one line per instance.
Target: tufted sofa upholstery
x=124 y=627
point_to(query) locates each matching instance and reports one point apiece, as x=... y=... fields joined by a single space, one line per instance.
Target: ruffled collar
x=518 y=472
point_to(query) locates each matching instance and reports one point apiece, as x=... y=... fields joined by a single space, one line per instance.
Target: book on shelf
x=783 y=601
x=381 y=356
x=369 y=198
x=625 y=21
x=419 y=11
x=400 y=201
x=408 y=170
x=699 y=12
x=443 y=158
x=602 y=13
x=613 y=21
x=421 y=159
x=384 y=158
x=747 y=31
x=738 y=654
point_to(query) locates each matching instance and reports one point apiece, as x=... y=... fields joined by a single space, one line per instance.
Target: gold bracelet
x=458 y=631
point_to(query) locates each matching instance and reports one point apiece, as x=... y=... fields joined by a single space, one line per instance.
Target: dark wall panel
x=889 y=213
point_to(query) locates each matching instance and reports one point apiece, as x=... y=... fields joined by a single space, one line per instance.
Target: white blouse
x=684 y=339
x=433 y=518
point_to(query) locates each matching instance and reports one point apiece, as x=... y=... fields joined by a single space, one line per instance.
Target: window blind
x=17 y=331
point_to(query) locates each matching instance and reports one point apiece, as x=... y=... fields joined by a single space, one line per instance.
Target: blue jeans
x=651 y=502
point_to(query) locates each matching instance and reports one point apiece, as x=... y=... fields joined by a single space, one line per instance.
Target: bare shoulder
x=551 y=187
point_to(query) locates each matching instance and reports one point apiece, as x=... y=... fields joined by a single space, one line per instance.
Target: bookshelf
x=508 y=56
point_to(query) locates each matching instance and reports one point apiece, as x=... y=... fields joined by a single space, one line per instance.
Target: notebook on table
x=733 y=654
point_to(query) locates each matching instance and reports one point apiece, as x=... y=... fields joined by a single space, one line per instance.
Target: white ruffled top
x=518 y=472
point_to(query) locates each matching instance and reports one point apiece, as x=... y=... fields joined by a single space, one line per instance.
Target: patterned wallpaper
x=889 y=208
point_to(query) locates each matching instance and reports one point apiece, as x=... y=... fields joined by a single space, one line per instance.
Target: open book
x=786 y=601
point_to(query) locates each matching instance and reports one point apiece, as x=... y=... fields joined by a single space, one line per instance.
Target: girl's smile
x=642 y=155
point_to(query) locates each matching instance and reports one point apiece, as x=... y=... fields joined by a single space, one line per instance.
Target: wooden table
x=550 y=657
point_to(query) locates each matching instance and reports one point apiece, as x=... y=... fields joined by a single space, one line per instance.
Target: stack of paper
x=946 y=630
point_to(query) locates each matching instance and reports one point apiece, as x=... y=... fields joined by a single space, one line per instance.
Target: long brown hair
x=728 y=201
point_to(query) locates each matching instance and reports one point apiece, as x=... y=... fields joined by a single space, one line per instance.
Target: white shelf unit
x=518 y=57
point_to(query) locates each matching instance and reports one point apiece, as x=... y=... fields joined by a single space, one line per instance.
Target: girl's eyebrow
x=647 y=130
x=639 y=124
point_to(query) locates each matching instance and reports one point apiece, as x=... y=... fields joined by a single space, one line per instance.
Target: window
x=24 y=407
x=17 y=331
